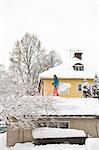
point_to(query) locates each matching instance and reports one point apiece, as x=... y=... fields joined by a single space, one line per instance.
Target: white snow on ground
x=92 y=143
x=3 y=141
x=29 y=146
x=56 y=133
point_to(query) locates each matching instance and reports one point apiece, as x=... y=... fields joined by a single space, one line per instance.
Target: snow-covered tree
x=25 y=111
x=9 y=91
x=25 y=60
x=28 y=59
x=54 y=58
x=93 y=90
x=15 y=106
x=8 y=86
x=95 y=87
x=86 y=89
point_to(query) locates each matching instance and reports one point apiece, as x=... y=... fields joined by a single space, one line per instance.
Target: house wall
x=73 y=93
x=90 y=126
x=20 y=135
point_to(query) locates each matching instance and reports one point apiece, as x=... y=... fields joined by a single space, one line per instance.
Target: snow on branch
x=91 y=90
x=28 y=59
x=22 y=110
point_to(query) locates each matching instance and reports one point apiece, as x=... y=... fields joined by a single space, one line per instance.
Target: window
x=64 y=124
x=79 y=87
x=53 y=124
x=78 y=67
x=58 y=124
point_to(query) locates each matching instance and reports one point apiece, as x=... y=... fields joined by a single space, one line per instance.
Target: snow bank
x=92 y=143
x=29 y=146
x=3 y=141
x=23 y=146
x=40 y=133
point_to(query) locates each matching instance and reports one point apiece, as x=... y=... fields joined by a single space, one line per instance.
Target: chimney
x=78 y=55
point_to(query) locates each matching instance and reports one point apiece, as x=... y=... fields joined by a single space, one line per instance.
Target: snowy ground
x=29 y=146
x=91 y=144
x=3 y=141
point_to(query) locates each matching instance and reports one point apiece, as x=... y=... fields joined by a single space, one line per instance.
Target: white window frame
x=78 y=88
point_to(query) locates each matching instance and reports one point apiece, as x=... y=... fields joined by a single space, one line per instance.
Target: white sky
x=59 y=24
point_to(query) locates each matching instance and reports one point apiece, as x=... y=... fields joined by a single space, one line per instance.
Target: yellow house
x=71 y=75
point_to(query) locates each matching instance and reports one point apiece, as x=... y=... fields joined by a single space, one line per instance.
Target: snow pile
x=41 y=133
x=3 y=141
x=92 y=143
x=24 y=146
x=29 y=146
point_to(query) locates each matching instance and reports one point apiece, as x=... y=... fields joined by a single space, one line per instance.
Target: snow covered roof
x=65 y=70
x=41 y=106
x=45 y=132
x=75 y=107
